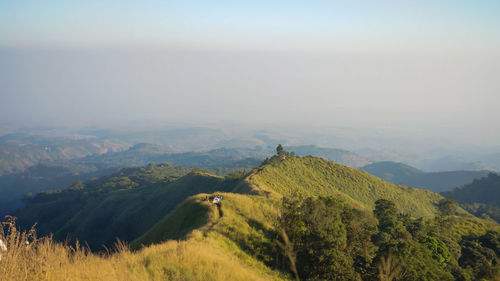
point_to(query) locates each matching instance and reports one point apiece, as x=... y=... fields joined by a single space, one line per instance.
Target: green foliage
x=447 y=207
x=438 y=248
x=416 y=262
x=387 y=216
x=319 y=246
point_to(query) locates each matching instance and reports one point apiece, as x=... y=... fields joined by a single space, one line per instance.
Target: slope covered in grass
x=196 y=258
x=242 y=224
x=121 y=207
x=310 y=176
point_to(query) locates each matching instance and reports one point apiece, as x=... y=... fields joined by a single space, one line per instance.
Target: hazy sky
x=431 y=66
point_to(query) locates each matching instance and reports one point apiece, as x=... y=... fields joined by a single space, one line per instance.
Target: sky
x=425 y=68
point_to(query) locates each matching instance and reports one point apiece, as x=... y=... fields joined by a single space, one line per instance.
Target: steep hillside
x=242 y=224
x=400 y=173
x=310 y=176
x=121 y=206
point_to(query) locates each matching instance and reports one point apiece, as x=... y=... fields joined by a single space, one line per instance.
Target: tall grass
x=45 y=259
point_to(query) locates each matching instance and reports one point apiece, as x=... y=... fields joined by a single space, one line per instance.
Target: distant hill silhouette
x=400 y=173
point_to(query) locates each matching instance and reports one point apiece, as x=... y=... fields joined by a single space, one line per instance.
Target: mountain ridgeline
x=290 y=218
x=126 y=204
x=400 y=173
x=481 y=197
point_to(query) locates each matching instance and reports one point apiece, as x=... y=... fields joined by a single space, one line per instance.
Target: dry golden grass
x=197 y=258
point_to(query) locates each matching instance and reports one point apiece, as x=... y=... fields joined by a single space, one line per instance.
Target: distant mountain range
x=340 y=156
x=19 y=151
x=400 y=173
x=41 y=174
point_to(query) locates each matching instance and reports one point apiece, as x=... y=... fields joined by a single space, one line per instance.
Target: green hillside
x=310 y=176
x=400 y=173
x=242 y=224
x=122 y=206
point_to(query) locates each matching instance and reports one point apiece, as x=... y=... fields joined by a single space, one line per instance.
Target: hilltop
x=311 y=176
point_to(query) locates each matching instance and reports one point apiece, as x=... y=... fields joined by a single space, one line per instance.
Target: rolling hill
x=126 y=204
x=123 y=205
x=197 y=239
x=311 y=176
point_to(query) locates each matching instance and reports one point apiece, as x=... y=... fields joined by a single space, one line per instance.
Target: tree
x=438 y=248
x=280 y=150
x=447 y=207
x=387 y=215
x=315 y=228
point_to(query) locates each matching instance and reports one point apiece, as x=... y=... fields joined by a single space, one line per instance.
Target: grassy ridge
x=125 y=211
x=243 y=225
x=310 y=176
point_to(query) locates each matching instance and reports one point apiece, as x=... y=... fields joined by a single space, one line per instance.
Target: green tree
x=438 y=248
x=319 y=238
x=447 y=207
x=387 y=216
x=279 y=149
